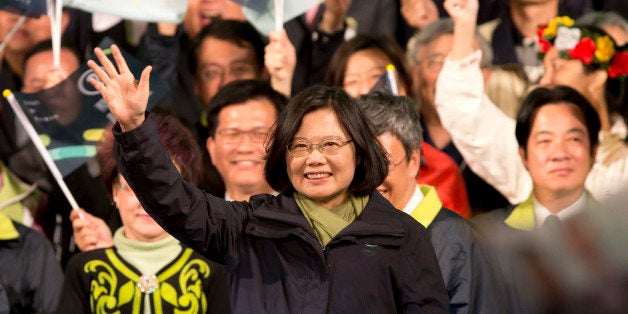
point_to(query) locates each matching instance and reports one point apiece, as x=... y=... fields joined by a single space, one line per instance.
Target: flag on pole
x=387 y=83
x=261 y=13
x=139 y=10
x=71 y=116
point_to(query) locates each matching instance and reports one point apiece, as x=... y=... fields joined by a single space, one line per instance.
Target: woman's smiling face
x=322 y=178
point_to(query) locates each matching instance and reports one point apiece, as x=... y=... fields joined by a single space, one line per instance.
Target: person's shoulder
x=447 y=218
x=380 y=211
x=492 y=220
x=30 y=236
x=80 y=259
x=451 y=226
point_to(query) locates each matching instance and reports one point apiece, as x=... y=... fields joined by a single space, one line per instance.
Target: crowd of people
x=381 y=156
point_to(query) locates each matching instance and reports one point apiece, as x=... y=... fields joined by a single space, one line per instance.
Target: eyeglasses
x=392 y=165
x=328 y=146
x=236 y=71
x=232 y=136
x=435 y=62
x=125 y=187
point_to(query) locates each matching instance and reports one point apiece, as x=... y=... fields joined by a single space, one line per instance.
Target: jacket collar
x=12 y=192
x=522 y=216
x=429 y=207
x=376 y=219
x=7 y=229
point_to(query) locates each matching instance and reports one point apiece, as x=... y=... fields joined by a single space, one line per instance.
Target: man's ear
x=593 y=156
x=210 y=144
x=414 y=164
x=524 y=157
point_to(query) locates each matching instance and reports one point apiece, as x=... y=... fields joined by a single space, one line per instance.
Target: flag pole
x=390 y=73
x=279 y=8
x=32 y=134
x=12 y=32
x=54 y=10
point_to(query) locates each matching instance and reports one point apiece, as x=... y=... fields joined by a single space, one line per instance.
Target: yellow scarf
x=328 y=223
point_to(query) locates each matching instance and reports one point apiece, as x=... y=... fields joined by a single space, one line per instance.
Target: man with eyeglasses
x=197 y=61
x=239 y=119
x=471 y=283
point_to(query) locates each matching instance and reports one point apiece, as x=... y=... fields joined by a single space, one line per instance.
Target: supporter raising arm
x=485 y=136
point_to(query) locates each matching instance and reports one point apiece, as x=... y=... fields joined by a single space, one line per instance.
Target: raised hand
x=419 y=13
x=464 y=14
x=126 y=98
x=280 y=58
x=462 y=10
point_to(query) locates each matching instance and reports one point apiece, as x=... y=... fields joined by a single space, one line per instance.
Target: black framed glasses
x=237 y=71
x=393 y=165
x=328 y=146
x=232 y=136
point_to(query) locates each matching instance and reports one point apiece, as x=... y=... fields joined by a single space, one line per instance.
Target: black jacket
x=30 y=277
x=470 y=272
x=383 y=262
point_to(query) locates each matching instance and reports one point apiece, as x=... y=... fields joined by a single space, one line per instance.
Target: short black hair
x=238 y=92
x=542 y=96
x=242 y=34
x=372 y=164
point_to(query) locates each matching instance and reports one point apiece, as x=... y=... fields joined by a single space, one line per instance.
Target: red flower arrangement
x=584 y=51
x=619 y=65
x=581 y=43
x=544 y=45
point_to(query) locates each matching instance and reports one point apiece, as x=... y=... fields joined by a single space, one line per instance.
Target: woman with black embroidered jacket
x=146 y=270
x=328 y=243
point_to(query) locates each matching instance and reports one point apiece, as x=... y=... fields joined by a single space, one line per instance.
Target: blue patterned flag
x=71 y=116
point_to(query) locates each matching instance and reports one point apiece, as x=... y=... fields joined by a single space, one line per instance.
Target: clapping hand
x=127 y=99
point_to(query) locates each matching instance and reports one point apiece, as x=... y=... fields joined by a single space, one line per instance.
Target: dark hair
x=542 y=96
x=46 y=45
x=242 y=34
x=238 y=92
x=372 y=165
x=337 y=67
x=178 y=140
x=395 y=114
